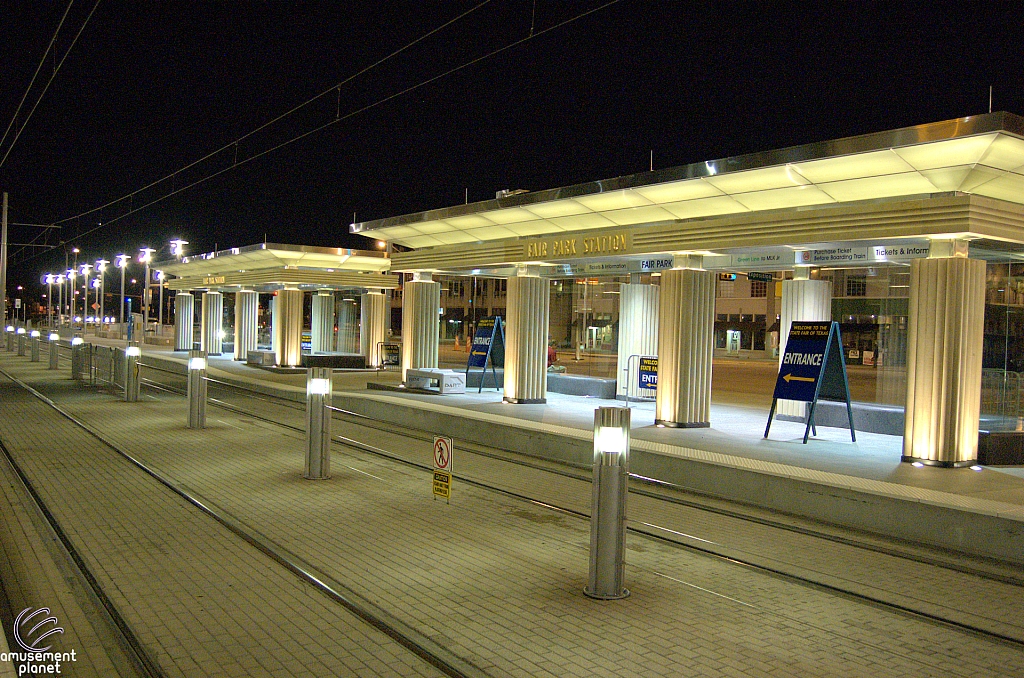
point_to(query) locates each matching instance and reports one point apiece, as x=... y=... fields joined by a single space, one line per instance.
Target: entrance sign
x=648 y=371
x=390 y=355
x=488 y=346
x=813 y=368
x=442 y=483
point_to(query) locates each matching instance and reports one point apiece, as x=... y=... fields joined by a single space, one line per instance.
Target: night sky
x=151 y=87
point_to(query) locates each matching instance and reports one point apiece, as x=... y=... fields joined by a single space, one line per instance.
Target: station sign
x=862 y=255
x=760 y=277
x=812 y=368
x=392 y=354
x=648 y=371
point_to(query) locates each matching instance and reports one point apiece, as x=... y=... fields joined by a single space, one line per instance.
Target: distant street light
x=121 y=261
x=145 y=257
x=101 y=267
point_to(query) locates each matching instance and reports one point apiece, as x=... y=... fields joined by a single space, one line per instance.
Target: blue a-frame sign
x=488 y=342
x=813 y=368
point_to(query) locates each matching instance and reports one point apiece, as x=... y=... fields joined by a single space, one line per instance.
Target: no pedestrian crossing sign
x=812 y=368
x=442 y=483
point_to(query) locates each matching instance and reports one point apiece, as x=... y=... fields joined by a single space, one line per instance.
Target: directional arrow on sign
x=790 y=377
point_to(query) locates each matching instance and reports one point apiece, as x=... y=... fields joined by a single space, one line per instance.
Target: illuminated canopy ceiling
x=980 y=155
x=272 y=266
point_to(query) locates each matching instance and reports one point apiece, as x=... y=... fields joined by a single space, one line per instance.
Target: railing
x=1001 y=393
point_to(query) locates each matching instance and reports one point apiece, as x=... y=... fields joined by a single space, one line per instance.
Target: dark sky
x=151 y=87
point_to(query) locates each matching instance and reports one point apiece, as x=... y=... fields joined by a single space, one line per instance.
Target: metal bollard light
x=10 y=338
x=131 y=372
x=34 y=342
x=21 y=341
x=318 y=423
x=608 y=504
x=54 y=350
x=77 y=358
x=197 y=389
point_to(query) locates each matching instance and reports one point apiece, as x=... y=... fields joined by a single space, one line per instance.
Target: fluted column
x=420 y=304
x=686 y=313
x=802 y=299
x=944 y=345
x=322 y=328
x=526 y=339
x=374 y=316
x=288 y=327
x=246 y=323
x=638 y=329
x=348 y=325
x=212 y=325
x=184 y=320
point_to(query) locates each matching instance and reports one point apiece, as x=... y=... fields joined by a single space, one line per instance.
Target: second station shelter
x=936 y=211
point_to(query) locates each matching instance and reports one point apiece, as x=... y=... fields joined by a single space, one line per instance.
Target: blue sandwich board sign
x=488 y=346
x=813 y=368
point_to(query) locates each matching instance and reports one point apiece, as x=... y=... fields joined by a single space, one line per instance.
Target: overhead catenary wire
x=31 y=82
x=278 y=118
x=338 y=118
x=48 y=82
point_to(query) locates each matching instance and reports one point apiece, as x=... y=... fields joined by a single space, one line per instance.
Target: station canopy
x=267 y=267
x=960 y=178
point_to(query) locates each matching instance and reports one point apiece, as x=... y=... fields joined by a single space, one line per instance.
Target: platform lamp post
x=160 y=281
x=72 y=274
x=58 y=280
x=145 y=257
x=85 y=295
x=132 y=352
x=121 y=261
x=101 y=268
x=48 y=279
x=608 y=504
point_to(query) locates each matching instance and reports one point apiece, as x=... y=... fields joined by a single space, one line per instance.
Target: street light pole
x=121 y=261
x=85 y=295
x=146 y=256
x=101 y=268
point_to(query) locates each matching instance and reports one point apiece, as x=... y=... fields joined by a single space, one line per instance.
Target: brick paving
x=495 y=579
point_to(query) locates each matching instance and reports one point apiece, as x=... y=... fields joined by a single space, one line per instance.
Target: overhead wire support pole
x=3 y=260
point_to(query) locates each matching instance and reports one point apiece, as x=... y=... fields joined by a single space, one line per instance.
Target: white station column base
x=802 y=299
x=686 y=345
x=247 y=303
x=638 y=332
x=526 y=340
x=288 y=327
x=184 y=321
x=420 y=304
x=375 y=312
x=944 y=347
x=322 y=328
x=212 y=331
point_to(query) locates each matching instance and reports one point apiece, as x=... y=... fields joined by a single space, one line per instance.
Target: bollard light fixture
x=318 y=386
x=196 y=363
x=54 y=336
x=77 y=341
x=34 y=334
x=608 y=504
x=21 y=330
x=133 y=351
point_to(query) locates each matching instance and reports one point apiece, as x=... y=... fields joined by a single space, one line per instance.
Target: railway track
x=364 y=431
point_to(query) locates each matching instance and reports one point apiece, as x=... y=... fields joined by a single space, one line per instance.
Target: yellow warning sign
x=442 y=484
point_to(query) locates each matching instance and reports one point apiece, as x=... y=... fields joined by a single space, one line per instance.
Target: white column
x=802 y=299
x=184 y=320
x=638 y=329
x=374 y=317
x=686 y=313
x=348 y=324
x=288 y=327
x=944 y=346
x=212 y=323
x=526 y=339
x=421 y=302
x=322 y=328
x=246 y=323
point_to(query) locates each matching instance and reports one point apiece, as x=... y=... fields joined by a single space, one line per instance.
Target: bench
x=447 y=381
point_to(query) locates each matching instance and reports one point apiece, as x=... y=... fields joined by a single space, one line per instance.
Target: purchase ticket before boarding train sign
x=802 y=361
